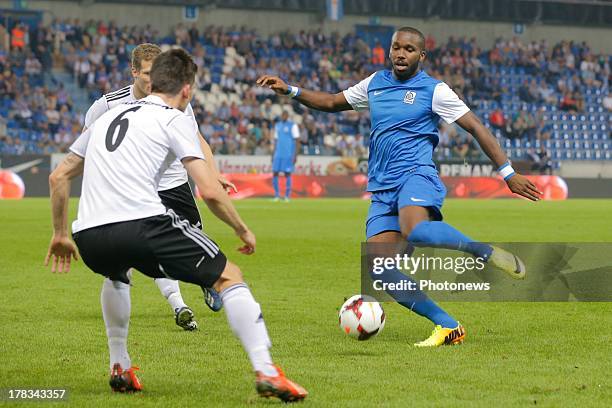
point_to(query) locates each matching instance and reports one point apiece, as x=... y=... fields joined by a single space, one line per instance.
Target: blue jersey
x=285 y=135
x=404 y=123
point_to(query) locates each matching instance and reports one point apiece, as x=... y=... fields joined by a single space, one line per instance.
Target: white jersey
x=176 y=174
x=127 y=151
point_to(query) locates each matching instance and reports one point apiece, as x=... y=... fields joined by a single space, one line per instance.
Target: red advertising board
x=260 y=185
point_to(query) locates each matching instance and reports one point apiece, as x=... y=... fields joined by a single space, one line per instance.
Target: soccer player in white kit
x=122 y=223
x=174 y=189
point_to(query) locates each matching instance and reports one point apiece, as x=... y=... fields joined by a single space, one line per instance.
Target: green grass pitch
x=307 y=261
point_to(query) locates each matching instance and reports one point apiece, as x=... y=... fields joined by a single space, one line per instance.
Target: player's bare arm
x=219 y=203
x=518 y=183
x=322 y=101
x=62 y=249
x=227 y=185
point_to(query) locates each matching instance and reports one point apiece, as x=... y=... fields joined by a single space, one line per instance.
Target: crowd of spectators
x=97 y=55
x=43 y=117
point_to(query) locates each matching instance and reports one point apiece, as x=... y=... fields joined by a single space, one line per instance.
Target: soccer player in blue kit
x=407 y=194
x=286 y=145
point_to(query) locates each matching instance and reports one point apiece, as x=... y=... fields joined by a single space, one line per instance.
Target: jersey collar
x=155 y=99
x=414 y=78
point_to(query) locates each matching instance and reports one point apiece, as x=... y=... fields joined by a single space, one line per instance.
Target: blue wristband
x=293 y=91
x=506 y=171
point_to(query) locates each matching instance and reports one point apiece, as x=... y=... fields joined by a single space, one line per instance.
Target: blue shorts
x=282 y=165
x=422 y=188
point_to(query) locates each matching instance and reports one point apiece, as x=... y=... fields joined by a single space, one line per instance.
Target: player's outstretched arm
x=62 y=249
x=322 y=101
x=218 y=201
x=517 y=183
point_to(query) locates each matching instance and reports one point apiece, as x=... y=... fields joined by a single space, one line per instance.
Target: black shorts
x=163 y=246
x=180 y=199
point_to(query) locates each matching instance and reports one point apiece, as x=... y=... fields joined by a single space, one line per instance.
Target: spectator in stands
x=540 y=161
x=53 y=117
x=378 y=54
x=343 y=147
x=607 y=102
x=21 y=111
x=495 y=57
x=546 y=93
x=216 y=142
x=527 y=92
x=517 y=127
x=315 y=135
x=3 y=129
x=4 y=39
x=228 y=83
x=460 y=145
x=360 y=146
x=544 y=130
x=430 y=42
x=6 y=88
x=497 y=120
x=18 y=37
x=81 y=71
x=33 y=67
x=97 y=53
x=569 y=102
x=446 y=135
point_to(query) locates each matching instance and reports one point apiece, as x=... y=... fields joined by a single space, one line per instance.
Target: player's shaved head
x=144 y=52
x=415 y=32
x=171 y=70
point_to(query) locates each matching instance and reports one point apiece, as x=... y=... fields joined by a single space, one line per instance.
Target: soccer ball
x=361 y=317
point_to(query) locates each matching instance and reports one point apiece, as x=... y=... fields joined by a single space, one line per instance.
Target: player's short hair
x=144 y=52
x=414 y=31
x=171 y=70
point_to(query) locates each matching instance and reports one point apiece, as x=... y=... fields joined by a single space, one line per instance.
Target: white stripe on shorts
x=194 y=234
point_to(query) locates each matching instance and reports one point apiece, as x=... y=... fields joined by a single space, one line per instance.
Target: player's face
x=142 y=78
x=405 y=54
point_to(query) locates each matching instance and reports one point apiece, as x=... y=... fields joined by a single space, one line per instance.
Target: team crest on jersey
x=409 y=97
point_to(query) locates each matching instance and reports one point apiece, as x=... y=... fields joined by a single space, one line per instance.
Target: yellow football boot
x=507 y=262
x=443 y=336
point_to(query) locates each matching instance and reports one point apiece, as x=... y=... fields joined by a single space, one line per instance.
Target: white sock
x=169 y=288
x=116 y=305
x=245 y=318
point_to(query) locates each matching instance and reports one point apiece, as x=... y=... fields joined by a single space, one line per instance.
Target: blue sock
x=275 y=185
x=416 y=300
x=439 y=234
x=288 y=186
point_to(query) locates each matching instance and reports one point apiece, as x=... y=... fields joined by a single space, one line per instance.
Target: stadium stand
x=549 y=101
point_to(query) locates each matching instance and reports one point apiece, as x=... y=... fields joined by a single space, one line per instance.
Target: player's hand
x=249 y=242
x=227 y=185
x=61 y=251
x=274 y=83
x=520 y=185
